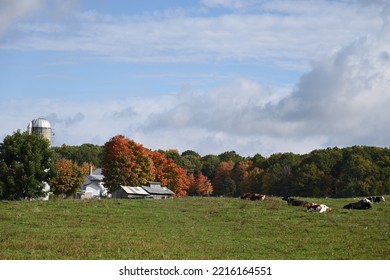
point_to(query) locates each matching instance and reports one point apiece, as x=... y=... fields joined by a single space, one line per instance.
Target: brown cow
x=315 y=207
x=253 y=196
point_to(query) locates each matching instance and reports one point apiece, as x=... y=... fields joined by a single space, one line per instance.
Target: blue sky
x=208 y=75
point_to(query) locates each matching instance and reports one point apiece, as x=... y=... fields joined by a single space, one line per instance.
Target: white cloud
x=10 y=11
x=229 y=4
x=341 y=101
x=282 y=33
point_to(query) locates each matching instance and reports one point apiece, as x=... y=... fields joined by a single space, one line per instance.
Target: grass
x=191 y=229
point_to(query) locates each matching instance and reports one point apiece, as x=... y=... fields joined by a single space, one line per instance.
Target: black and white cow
x=293 y=201
x=362 y=205
x=376 y=199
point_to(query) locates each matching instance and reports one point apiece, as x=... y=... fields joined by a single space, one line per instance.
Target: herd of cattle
x=365 y=203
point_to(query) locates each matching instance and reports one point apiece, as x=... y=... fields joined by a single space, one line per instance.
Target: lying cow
x=362 y=205
x=314 y=207
x=293 y=201
x=375 y=199
x=253 y=196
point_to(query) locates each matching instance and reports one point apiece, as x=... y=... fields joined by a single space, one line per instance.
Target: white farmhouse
x=93 y=185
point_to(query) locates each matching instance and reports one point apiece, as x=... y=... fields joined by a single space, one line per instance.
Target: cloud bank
x=341 y=100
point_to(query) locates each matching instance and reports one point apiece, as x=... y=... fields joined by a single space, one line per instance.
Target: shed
x=155 y=190
x=130 y=192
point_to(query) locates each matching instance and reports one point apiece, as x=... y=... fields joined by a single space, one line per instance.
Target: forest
x=331 y=172
x=26 y=161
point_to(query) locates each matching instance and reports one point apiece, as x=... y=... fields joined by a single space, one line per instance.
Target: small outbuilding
x=130 y=192
x=155 y=190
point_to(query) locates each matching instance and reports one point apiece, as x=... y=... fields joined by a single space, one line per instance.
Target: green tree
x=230 y=156
x=25 y=165
x=79 y=154
x=174 y=155
x=307 y=180
x=191 y=161
x=209 y=165
x=278 y=176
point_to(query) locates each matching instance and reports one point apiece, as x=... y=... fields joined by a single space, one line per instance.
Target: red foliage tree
x=169 y=174
x=128 y=163
x=200 y=184
x=223 y=183
x=68 y=179
x=125 y=163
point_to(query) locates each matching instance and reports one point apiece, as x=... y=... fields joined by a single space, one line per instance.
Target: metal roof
x=94 y=177
x=40 y=122
x=134 y=190
x=158 y=190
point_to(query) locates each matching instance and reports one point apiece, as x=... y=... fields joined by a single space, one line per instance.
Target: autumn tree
x=200 y=184
x=169 y=174
x=68 y=179
x=25 y=165
x=125 y=163
x=240 y=171
x=223 y=183
x=252 y=181
x=159 y=166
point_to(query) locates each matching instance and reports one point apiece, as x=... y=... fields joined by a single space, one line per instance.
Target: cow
x=361 y=205
x=315 y=207
x=253 y=196
x=366 y=200
x=293 y=201
x=376 y=199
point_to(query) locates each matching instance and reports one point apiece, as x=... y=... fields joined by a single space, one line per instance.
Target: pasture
x=191 y=229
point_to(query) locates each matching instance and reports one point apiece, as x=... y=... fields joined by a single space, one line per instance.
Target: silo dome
x=41 y=126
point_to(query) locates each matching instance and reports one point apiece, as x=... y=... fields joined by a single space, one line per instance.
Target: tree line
x=330 y=172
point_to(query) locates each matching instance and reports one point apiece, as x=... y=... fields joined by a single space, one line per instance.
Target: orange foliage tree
x=223 y=183
x=125 y=163
x=200 y=184
x=167 y=172
x=68 y=179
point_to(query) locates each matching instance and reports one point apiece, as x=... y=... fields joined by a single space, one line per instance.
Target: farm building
x=157 y=191
x=152 y=190
x=93 y=184
x=130 y=192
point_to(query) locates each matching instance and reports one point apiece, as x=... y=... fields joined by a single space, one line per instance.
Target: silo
x=41 y=126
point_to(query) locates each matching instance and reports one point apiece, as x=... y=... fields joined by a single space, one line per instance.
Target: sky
x=210 y=76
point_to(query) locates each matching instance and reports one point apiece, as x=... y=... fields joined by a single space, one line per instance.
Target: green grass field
x=191 y=229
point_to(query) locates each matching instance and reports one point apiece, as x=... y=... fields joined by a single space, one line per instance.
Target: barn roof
x=158 y=190
x=134 y=190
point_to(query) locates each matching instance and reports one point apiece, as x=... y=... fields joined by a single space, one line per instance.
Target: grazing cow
x=293 y=201
x=376 y=199
x=314 y=207
x=358 y=205
x=253 y=196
